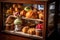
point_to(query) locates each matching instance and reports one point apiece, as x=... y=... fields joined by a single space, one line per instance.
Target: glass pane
x=24 y=18
x=51 y=14
x=59 y=20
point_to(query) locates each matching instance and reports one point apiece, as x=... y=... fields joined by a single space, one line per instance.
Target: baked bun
x=31 y=31
x=10 y=19
x=40 y=14
x=14 y=5
x=23 y=13
x=24 y=29
x=31 y=14
x=9 y=11
x=9 y=22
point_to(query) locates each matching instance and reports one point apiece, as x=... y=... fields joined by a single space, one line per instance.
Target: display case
x=25 y=18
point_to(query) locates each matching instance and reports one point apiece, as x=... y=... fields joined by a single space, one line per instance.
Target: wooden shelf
x=32 y=19
x=29 y=18
x=23 y=34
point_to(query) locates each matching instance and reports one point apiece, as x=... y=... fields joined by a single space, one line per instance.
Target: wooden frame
x=33 y=2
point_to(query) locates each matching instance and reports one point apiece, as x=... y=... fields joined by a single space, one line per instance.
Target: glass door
x=51 y=13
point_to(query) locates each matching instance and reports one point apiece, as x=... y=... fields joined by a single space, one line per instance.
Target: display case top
x=26 y=1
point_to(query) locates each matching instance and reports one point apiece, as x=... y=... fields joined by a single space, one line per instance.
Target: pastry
x=31 y=31
x=9 y=23
x=25 y=29
x=23 y=13
x=16 y=9
x=14 y=5
x=10 y=19
x=32 y=14
x=19 y=6
x=29 y=14
x=9 y=11
x=40 y=14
